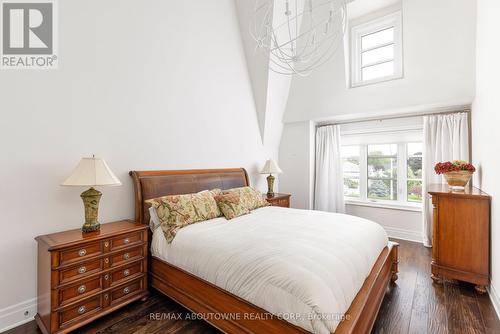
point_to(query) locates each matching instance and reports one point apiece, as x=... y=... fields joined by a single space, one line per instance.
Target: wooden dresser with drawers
x=461 y=235
x=83 y=276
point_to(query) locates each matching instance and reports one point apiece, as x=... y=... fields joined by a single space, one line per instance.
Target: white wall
x=296 y=157
x=485 y=120
x=144 y=84
x=438 y=39
x=400 y=224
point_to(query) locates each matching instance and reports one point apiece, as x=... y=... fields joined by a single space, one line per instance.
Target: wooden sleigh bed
x=206 y=299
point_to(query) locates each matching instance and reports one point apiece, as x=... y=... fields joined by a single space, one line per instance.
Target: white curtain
x=329 y=187
x=446 y=137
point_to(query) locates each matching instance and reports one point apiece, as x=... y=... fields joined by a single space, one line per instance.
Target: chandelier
x=298 y=35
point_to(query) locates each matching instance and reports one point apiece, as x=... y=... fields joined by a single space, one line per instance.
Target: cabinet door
x=462 y=238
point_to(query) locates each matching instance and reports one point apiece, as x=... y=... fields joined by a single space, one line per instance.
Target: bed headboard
x=156 y=183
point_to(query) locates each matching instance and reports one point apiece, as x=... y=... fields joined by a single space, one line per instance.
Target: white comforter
x=305 y=265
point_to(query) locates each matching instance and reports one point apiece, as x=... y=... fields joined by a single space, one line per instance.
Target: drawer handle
x=106 y=277
x=81 y=309
x=106 y=296
x=126 y=256
x=106 y=260
x=81 y=289
x=126 y=290
x=82 y=252
x=126 y=241
x=82 y=270
x=106 y=244
x=126 y=272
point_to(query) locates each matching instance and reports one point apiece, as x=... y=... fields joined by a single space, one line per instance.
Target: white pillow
x=154 y=221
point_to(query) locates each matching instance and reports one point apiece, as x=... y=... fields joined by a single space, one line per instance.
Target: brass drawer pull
x=106 y=277
x=106 y=260
x=126 y=256
x=82 y=252
x=106 y=244
x=126 y=272
x=126 y=290
x=82 y=288
x=81 y=309
x=106 y=296
x=82 y=270
x=126 y=241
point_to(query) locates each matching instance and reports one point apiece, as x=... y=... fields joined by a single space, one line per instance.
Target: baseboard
x=403 y=234
x=495 y=298
x=16 y=315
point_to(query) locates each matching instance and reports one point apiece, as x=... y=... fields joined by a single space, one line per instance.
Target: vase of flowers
x=457 y=173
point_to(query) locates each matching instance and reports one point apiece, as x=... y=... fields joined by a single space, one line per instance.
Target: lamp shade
x=271 y=168
x=92 y=172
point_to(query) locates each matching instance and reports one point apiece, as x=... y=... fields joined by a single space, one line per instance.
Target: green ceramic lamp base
x=91 y=198
x=270 y=186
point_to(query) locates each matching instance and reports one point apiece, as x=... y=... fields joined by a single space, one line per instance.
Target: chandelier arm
x=302 y=13
x=304 y=50
x=306 y=55
x=299 y=36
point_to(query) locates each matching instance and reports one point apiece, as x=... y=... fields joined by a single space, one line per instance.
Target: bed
x=199 y=283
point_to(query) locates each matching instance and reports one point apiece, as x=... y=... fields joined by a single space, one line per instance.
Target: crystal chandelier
x=298 y=35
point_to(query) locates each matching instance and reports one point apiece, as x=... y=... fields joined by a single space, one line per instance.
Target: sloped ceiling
x=270 y=90
x=257 y=62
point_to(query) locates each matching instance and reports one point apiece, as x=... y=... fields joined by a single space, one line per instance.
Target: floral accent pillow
x=231 y=205
x=174 y=212
x=205 y=205
x=252 y=198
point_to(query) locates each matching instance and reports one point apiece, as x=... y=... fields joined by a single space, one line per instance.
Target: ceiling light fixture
x=298 y=35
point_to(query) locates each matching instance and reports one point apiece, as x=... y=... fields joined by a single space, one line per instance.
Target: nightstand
x=282 y=200
x=83 y=276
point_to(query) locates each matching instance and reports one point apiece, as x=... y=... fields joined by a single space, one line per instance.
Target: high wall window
x=388 y=173
x=376 y=50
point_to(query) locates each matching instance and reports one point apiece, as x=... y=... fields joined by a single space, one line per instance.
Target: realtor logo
x=28 y=34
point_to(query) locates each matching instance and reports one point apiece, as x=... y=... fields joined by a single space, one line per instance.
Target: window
x=376 y=51
x=350 y=165
x=383 y=173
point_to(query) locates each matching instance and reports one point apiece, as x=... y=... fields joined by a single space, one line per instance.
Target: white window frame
x=358 y=31
x=402 y=202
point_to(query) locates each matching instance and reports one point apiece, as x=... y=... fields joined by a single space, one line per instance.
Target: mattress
x=305 y=266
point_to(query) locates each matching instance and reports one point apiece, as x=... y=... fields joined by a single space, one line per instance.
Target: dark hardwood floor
x=413 y=305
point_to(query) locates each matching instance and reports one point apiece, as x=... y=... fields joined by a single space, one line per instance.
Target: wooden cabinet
x=282 y=200
x=83 y=276
x=461 y=235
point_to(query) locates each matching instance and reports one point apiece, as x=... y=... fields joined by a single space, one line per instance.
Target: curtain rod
x=382 y=118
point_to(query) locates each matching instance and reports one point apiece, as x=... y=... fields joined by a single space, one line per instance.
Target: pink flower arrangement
x=454 y=166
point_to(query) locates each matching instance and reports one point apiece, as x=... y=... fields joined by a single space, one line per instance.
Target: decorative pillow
x=174 y=212
x=231 y=205
x=205 y=204
x=252 y=198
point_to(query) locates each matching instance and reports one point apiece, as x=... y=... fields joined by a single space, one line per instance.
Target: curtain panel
x=329 y=183
x=446 y=137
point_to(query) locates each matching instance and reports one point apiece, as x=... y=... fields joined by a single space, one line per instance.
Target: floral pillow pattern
x=174 y=212
x=178 y=211
x=251 y=198
x=205 y=205
x=231 y=205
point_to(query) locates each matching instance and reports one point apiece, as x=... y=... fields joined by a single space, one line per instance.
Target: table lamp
x=91 y=172
x=270 y=168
